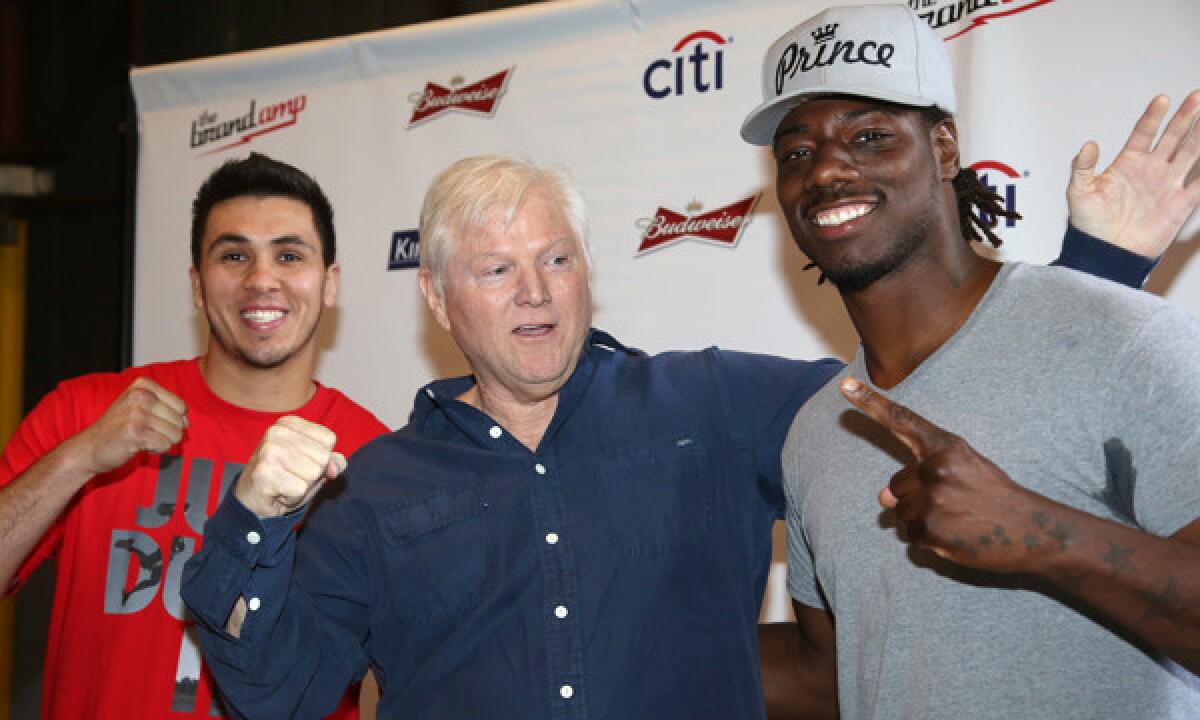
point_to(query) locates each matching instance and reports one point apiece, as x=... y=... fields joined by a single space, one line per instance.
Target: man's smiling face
x=262 y=282
x=857 y=181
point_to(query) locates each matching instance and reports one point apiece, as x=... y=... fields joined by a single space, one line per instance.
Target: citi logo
x=999 y=178
x=700 y=70
x=406 y=250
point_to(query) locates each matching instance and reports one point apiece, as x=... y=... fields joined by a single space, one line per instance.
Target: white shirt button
x=253 y=537
x=540 y=469
x=551 y=538
x=254 y=604
x=566 y=691
x=429 y=392
x=560 y=612
x=495 y=432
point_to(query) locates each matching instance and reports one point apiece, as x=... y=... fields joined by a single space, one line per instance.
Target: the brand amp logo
x=670 y=76
x=1003 y=181
x=722 y=226
x=406 y=250
x=478 y=98
x=955 y=18
x=258 y=120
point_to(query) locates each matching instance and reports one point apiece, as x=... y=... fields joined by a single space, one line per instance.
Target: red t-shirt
x=118 y=647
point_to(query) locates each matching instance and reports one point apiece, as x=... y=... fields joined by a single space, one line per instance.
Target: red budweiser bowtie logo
x=722 y=226
x=478 y=97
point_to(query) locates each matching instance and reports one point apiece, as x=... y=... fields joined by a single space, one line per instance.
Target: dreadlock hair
x=971 y=194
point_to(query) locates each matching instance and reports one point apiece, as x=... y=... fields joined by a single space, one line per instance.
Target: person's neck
x=282 y=388
x=905 y=317
x=526 y=418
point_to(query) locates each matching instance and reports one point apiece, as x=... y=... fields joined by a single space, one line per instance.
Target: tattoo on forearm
x=1162 y=605
x=1060 y=533
x=998 y=535
x=961 y=545
x=1118 y=558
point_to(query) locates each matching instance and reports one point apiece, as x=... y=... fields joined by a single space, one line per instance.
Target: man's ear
x=433 y=298
x=333 y=279
x=943 y=137
x=197 y=288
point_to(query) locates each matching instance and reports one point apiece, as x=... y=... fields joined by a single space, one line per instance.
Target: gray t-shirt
x=1080 y=390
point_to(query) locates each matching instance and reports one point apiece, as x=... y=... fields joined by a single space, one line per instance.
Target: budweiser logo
x=479 y=97
x=722 y=226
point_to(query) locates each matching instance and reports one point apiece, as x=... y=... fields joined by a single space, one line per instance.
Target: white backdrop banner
x=641 y=100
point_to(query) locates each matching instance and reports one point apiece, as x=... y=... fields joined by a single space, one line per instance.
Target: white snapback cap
x=885 y=52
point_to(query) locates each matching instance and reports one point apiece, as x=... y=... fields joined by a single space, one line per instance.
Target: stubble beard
x=856 y=277
x=268 y=358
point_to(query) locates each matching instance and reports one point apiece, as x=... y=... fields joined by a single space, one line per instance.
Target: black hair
x=260 y=176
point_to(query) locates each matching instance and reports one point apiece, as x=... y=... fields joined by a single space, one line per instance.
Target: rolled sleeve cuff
x=1089 y=254
x=242 y=556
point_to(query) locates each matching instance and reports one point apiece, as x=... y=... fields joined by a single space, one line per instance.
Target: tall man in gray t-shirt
x=1050 y=567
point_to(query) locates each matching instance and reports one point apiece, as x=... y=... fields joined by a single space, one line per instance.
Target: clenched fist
x=292 y=462
x=145 y=418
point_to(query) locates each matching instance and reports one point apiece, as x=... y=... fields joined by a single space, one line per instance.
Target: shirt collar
x=440 y=396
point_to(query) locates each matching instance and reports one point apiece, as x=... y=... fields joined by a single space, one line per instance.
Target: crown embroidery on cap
x=824 y=34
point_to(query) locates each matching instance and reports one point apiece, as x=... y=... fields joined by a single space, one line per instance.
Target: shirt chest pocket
x=436 y=556
x=658 y=497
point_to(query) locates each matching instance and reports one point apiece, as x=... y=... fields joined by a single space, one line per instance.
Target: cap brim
x=762 y=122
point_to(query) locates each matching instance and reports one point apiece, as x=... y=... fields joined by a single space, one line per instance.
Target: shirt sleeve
x=1089 y=254
x=763 y=394
x=1152 y=437
x=298 y=648
x=802 y=583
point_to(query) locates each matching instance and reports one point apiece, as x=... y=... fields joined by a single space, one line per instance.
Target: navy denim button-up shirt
x=615 y=572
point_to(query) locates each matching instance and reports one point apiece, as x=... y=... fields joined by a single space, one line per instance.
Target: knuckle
x=276 y=434
x=139 y=397
x=900 y=415
x=941 y=470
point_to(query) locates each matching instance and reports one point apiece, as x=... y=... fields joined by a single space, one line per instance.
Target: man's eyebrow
x=228 y=239
x=785 y=130
x=238 y=240
x=290 y=240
